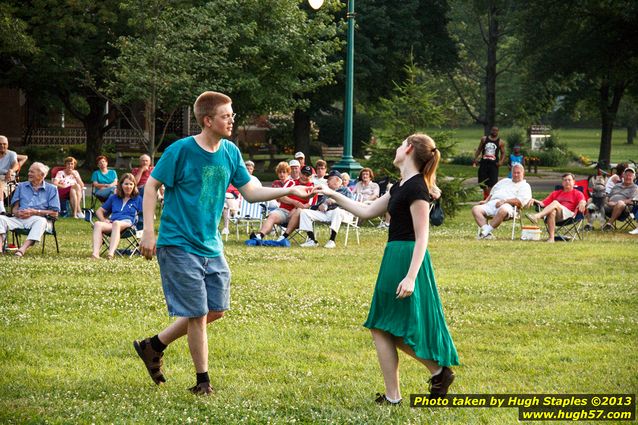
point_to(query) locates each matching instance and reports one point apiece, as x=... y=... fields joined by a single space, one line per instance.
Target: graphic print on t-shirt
x=213 y=182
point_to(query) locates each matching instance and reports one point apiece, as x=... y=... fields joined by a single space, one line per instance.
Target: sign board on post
x=538 y=135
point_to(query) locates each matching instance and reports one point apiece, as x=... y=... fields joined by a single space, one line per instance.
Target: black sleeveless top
x=401 y=197
x=490 y=149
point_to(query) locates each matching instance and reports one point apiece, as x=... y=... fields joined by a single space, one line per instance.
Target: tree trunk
x=490 y=71
x=608 y=110
x=95 y=129
x=149 y=118
x=301 y=132
x=631 y=134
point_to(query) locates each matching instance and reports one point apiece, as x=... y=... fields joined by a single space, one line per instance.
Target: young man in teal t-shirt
x=196 y=171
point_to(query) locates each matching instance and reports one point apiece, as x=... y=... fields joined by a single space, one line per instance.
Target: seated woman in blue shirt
x=119 y=212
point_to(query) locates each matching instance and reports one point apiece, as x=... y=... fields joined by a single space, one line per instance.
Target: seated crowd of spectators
x=35 y=203
x=293 y=213
x=513 y=194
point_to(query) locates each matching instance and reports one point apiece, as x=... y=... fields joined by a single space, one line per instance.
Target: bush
x=551 y=158
x=515 y=136
x=464 y=158
x=49 y=155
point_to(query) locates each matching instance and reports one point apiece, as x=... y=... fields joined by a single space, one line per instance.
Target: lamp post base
x=347 y=165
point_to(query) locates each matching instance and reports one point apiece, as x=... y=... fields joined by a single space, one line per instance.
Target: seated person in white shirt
x=325 y=211
x=504 y=196
x=250 y=166
x=321 y=168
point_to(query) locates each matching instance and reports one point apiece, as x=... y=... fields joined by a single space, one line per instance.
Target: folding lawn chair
x=130 y=237
x=350 y=221
x=50 y=230
x=570 y=229
x=517 y=219
x=248 y=213
x=626 y=220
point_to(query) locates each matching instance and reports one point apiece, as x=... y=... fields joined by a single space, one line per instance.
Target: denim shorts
x=193 y=285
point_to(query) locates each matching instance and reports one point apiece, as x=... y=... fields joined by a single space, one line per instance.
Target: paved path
x=544 y=182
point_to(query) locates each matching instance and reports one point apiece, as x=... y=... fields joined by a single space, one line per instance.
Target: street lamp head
x=315 y=4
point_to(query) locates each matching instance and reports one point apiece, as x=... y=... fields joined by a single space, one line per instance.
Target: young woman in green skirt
x=406 y=311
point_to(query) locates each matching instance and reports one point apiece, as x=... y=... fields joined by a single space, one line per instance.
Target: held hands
x=304 y=192
x=405 y=288
x=147 y=244
x=323 y=190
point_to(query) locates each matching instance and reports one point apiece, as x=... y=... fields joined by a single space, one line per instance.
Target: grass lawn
x=527 y=317
x=579 y=140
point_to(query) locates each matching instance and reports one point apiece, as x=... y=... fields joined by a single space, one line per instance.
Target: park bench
x=331 y=151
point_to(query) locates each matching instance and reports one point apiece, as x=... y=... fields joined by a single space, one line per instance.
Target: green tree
x=174 y=52
x=591 y=42
x=386 y=34
x=264 y=54
x=413 y=106
x=64 y=45
x=484 y=32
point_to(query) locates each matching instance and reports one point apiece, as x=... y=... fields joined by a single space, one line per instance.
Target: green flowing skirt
x=419 y=318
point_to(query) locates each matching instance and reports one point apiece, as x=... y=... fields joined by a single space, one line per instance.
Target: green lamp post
x=347 y=162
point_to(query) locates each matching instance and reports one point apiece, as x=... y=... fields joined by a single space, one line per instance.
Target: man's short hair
x=207 y=103
x=4 y=138
x=568 y=174
x=320 y=163
x=41 y=167
x=145 y=156
x=518 y=164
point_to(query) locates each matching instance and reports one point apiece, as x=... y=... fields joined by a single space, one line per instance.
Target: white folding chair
x=248 y=213
x=350 y=220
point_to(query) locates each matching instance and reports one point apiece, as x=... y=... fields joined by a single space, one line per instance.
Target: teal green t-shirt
x=108 y=178
x=195 y=184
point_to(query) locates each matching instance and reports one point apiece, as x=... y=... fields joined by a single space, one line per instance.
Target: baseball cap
x=630 y=168
x=307 y=170
x=300 y=155
x=334 y=173
x=294 y=163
